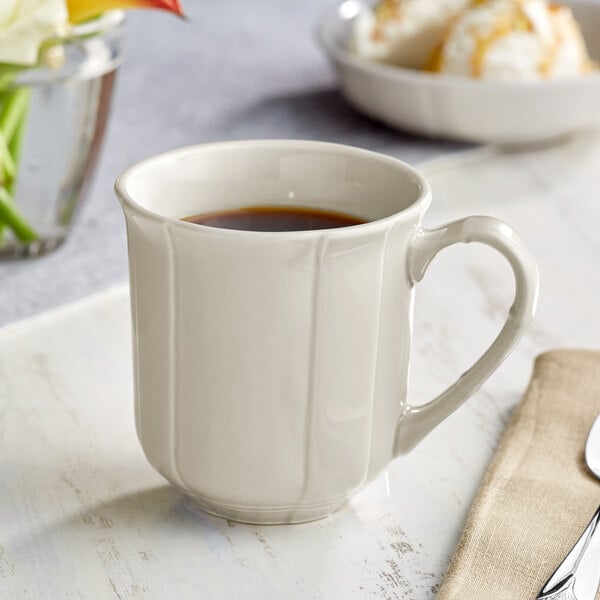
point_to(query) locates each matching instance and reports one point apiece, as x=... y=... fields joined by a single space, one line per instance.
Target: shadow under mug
x=271 y=367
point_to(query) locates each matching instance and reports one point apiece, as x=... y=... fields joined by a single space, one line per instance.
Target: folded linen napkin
x=537 y=496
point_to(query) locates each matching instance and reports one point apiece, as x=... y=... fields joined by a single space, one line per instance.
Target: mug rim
x=418 y=206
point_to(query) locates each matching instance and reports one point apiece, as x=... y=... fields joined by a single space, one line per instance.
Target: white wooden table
x=83 y=516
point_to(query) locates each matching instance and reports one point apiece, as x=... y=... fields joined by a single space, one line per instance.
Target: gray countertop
x=236 y=70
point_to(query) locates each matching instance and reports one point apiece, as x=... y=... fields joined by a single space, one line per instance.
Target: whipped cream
x=405 y=32
x=487 y=39
x=514 y=40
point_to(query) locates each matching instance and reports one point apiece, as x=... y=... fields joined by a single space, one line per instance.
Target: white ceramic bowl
x=462 y=108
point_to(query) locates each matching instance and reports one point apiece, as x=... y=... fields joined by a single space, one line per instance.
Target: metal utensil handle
x=565 y=593
x=581 y=567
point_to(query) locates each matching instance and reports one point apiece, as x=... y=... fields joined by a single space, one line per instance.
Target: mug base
x=268 y=516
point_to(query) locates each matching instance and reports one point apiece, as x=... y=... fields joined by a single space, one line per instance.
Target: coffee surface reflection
x=275 y=218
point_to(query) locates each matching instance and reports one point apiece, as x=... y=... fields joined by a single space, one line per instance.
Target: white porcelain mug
x=271 y=368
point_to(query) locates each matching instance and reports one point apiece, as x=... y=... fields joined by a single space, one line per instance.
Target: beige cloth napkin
x=537 y=496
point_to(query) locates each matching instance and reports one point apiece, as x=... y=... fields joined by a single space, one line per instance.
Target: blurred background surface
x=236 y=70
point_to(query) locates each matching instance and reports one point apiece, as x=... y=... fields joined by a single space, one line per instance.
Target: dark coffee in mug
x=275 y=218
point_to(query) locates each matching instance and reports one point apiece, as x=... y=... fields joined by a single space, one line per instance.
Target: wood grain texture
x=83 y=516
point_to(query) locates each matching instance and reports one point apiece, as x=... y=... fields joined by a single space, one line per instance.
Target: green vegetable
x=10 y=215
x=14 y=107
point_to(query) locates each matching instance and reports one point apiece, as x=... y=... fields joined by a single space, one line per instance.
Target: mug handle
x=418 y=421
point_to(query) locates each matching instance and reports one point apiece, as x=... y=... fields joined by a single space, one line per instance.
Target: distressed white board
x=83 y=516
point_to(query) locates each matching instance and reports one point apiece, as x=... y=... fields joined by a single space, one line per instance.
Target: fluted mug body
x=271 y=367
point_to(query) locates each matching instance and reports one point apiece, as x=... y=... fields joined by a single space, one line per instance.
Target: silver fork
x=577 y=577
